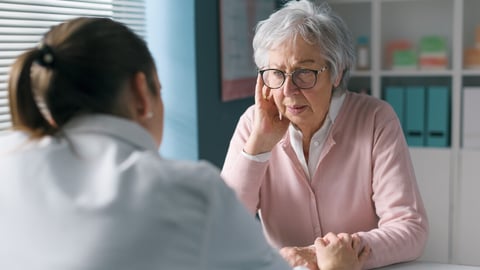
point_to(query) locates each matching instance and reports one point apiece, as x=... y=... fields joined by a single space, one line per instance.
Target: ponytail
x=26 y=114
x=80 y=68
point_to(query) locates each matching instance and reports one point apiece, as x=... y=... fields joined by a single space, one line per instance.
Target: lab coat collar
x=114 y=126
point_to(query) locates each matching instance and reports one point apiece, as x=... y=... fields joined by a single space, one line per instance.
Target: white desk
x=429 y=266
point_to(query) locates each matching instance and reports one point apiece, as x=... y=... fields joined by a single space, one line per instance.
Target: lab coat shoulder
x=233 y=238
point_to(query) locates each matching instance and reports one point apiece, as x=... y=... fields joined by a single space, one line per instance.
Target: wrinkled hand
x=268 y=127
x=300 y=256
x=340 y=252
x=331 y=252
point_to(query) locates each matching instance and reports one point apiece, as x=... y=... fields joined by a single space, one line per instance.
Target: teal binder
x=438 y=116
x=415 y=116
x=395 y=96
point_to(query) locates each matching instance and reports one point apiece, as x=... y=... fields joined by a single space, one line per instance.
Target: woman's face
x=305 y=108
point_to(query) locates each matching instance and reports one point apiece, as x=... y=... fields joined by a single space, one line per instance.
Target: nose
x=289 y=88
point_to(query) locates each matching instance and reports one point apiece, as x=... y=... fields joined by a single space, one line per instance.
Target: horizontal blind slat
x=15 y=22
x=10 y=54
x=4 y=70
x=61 y=3
x=3 y=103
x=20 y=38
x=50 y=16
x=5 y=125
x=129 y=3
x=61 y=9
x=16 y=30
x=5 y=118
x=18 y=46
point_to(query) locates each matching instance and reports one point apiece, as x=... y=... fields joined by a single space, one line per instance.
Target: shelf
x=471 y=72
x=351 y=1
x=416 y=73
x=471 y=152
x=361 y=73
x=448 y=176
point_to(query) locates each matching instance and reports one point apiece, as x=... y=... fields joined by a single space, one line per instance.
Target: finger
x=312 y=247
x=303 y=267
x=266 y=92
x=320 y=242
x=345 y=237
x=258 y=89
x=364 y=254
x=330 y=237
x=281 y=115
x=287 y=252
x=356 y=243
x=309 y=266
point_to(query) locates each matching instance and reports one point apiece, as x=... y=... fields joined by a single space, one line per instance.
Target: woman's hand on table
x=300 y=256
x=341 y=252
x=331 y=252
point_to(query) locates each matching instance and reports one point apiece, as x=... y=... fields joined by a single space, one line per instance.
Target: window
x=23 y=23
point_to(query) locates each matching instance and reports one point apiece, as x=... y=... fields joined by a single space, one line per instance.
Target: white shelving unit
x=448 y=178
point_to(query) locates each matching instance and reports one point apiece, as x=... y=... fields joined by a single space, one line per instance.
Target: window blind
x=23 y=23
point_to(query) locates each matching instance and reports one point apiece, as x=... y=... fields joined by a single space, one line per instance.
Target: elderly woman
x=310 y=157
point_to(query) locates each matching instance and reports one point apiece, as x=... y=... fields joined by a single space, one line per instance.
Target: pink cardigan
x=364 y=183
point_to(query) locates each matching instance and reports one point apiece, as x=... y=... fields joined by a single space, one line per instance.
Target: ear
x=336 y=83
x=338 y=79
x=142 y=96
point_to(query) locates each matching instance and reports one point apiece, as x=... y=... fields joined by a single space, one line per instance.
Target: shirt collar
x=318 y=137
x=120 y=128
x=337 y=100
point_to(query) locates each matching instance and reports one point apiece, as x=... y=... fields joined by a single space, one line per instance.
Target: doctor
x=82 y=185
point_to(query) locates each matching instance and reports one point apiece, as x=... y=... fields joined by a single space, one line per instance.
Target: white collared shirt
x=318 y=138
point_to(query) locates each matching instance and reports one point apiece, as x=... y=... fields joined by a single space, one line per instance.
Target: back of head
x=78 y=68
x=317 y=25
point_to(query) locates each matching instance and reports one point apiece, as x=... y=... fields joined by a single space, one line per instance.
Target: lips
x=296 y=109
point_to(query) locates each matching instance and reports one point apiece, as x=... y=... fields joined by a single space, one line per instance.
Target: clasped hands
x=331 y=252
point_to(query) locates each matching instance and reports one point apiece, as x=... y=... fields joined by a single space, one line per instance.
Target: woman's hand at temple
x=269 y=125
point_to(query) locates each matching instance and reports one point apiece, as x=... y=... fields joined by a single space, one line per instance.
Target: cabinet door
x=467 y=223
x=434 y=185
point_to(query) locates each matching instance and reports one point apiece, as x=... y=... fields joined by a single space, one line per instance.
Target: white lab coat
x=99 y=197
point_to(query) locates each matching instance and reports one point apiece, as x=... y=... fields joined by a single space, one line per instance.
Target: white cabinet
x=467 y=214
x=448 y=177
x=434 y=185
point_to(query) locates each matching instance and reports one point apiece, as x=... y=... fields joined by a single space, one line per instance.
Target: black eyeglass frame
x=285 y=74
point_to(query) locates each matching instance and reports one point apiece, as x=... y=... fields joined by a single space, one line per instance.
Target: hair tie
x=46 y=57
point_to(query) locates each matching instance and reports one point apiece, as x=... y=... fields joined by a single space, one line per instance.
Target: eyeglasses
x=302 y=78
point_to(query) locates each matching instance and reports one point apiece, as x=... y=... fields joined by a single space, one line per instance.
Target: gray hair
x=316 y=24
